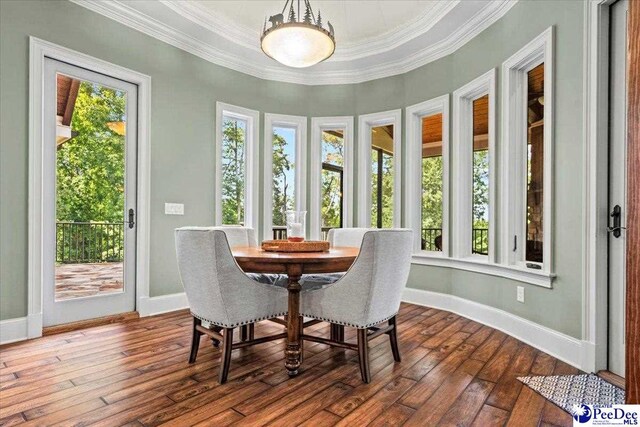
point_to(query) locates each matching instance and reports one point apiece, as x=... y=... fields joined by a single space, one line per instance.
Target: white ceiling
x=374 y=38
x=355 y=22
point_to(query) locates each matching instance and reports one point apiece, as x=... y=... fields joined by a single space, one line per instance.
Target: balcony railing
x=480 y=241
x=280 y=232
x=89 y=242
x=432 y=240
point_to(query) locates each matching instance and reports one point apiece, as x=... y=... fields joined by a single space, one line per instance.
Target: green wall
x=185 y=89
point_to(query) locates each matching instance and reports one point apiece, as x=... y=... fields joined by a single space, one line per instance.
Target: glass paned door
x=90 y=130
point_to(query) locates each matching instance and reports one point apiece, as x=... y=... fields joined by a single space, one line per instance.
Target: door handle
x=131 y=218
x=616 y=228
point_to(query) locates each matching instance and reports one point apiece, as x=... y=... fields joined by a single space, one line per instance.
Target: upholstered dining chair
x=337 y=237
x=220 y=294
x=245 y=236
x=367 y=295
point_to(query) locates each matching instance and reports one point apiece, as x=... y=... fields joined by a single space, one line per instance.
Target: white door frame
x=595 y=184
x=39 y=49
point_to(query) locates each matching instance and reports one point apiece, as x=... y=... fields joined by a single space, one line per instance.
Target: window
x=382 y=176
x=379 y=170
x=528 y=157
x=427 y=198
x=534 y=216
x=474 y=171
x=236 y=152
x=480 y=177
x=284 y=166
x=330 y=177
x=234 y=133
x=284 y=171
x=432 y=183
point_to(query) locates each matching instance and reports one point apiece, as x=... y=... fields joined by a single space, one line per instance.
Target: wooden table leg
x=292 y=350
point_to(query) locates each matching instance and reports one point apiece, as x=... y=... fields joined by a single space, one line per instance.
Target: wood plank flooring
x=454 y=372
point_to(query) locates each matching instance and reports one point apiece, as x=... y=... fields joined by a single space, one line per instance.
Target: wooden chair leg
x=336 y=332
x=393 y=338
x=195 y=340
x=227 y=346
x=252 y=331
x=363 y=355
x=244 y=332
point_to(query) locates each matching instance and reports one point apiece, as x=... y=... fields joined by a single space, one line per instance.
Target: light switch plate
x=174 y=209
x=520 y=294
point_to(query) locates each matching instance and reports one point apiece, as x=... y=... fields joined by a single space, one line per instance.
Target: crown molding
x=237 y=33
x=248 y=37
x=121 y=12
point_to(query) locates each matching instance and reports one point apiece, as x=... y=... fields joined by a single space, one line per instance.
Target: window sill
x=526 y=275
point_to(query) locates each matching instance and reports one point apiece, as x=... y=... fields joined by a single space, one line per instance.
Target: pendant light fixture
x=297 y=41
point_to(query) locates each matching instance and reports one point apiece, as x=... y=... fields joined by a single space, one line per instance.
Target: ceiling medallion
x=297 y=43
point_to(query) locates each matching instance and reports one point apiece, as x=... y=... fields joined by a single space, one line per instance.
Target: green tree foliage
x=233 y=171
x=432 y=192
x=481 y=189
x=480 y=241
x=90 y=178
x=282 y=193
x=332 y=153
x=90 y=166
x=386 y=204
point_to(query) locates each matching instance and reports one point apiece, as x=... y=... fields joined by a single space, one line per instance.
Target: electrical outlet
x=520 y=294
x=174 y=209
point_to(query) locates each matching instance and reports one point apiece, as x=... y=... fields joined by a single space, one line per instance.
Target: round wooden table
x=294 y=265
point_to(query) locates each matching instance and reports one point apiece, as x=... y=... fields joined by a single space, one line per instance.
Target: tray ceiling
x=375 y=38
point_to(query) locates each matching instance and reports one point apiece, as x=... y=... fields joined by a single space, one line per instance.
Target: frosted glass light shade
x=298 y=45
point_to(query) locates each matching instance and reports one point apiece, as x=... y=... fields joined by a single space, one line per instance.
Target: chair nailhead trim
x=351 y=325
x=233 y=325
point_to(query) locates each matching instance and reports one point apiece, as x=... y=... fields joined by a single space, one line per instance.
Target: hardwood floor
x=454 y=371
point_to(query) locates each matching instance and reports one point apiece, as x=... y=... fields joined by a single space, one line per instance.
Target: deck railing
x=432 y=240
x=280 y=232
x=89 y=242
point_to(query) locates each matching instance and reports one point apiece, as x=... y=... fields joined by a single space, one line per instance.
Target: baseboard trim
x=149 y=306
x=12 y=330
x=90 y=323
x=558 y=345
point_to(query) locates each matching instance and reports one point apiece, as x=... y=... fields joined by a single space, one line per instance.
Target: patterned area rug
x=572 y=391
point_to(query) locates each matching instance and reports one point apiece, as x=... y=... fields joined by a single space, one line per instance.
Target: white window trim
x=299 y=123
x=413 y=183
x=477 y=265
x=319 y=124
x=252 y=118
x=514 y=132
x=38 y=50
x=462 y=190
x=365 y=123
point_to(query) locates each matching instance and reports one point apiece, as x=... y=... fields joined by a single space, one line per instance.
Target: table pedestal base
x=292 y=352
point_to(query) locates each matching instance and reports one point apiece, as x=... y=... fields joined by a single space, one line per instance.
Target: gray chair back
x=370 y=292
x=347 y=236
x=238 y=236
x=217 y=289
